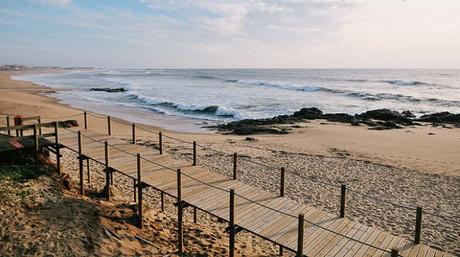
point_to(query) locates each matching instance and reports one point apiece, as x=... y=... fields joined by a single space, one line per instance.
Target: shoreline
x=130 y=114
x=422 y=148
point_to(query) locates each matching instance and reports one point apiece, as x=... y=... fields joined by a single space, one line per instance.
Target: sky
x=231 y=34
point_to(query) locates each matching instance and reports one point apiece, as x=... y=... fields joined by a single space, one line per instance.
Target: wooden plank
x=423 y=250
x=320 y=234
x=392 y=244
x=373 y=238
x=363 y=233
x=274 y=229
x=273 y=217
x=334 y=249
x=413 y=251
x=289 y=239
x=368 y=237
x=380 y=239
x=331 y=239
x=199 y=195
x=252 y=207
x=386 y=243
x=264 y=216
x=198 y=191
x=431 y=252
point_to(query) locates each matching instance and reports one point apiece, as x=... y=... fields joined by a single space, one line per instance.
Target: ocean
x=209 y=96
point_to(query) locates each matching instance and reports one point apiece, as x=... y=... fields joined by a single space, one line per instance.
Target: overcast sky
x=231 y=34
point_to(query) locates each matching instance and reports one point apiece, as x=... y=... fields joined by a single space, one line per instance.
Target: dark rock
x=338 y=117
x=370 y=123
x=386 y=125
x=385 y=115
x=310 y=113
x=440 y=117
x=109 y=90
x=431 y=134
x=379 y=119
x=68 y=123
x=380 y=114
x=259 y=130
x=250 y=139
x=355 y=123
x=391 y=125
x=407 y=114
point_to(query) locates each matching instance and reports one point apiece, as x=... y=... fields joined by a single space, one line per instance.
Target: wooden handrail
x=30 y=118
x=27 y=127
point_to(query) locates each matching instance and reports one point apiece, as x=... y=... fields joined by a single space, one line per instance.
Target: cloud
x=258 y=20
x=53 y=2
x=239 y=33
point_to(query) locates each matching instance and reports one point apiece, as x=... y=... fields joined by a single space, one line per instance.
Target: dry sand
x=414 y=166
x=41 y=218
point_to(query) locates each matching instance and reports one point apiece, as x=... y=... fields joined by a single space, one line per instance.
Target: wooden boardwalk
x=271 y=217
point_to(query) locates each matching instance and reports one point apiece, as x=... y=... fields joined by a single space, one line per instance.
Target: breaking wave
x=165 y=106
x=350 y=93
x=398 y=82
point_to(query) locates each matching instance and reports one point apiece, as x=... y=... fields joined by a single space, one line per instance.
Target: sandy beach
x=389 y=172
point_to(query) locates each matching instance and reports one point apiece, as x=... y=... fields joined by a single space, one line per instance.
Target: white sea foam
x=226 y=95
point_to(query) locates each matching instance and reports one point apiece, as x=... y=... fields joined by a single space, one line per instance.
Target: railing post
x=109 y=128
x=107 y=172
x=235 y=165
x=281 y=248
x=39 y=128
x=162 y=201
x=36 y=144
x=134 y=189
x=18 y=122
x=194 y=214
x=194 y=153
x=418 y=226
x=300 y=236
x=88 y=171
x=282 y=182
x=139 y=190
x=57 y=146
x=8 y=124
x=160 y=142
x=394 y=252
x=180 y=231
x=85 y=119
x=343 y=192
x=80 y=163
x=21 y=131
x=134 y=133
x=231 y=224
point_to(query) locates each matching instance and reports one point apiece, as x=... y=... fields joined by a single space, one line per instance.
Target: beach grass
x=21 y=173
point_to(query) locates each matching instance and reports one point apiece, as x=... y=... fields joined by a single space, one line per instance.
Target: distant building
x=8 y=67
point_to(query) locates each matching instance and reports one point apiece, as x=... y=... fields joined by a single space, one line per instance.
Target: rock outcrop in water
x=380 y=119
x=109 y=90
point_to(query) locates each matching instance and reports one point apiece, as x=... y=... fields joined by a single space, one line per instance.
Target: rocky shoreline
x=380 y=119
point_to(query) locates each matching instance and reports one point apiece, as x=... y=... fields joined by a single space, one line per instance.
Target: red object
x=18 y=120
x=16 y=144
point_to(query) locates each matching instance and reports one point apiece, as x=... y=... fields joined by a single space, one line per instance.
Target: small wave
x=399 y=82
x=389 y=96
x=355 y=94
x=285 y=86
x=205 y=77
x=211 y=110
